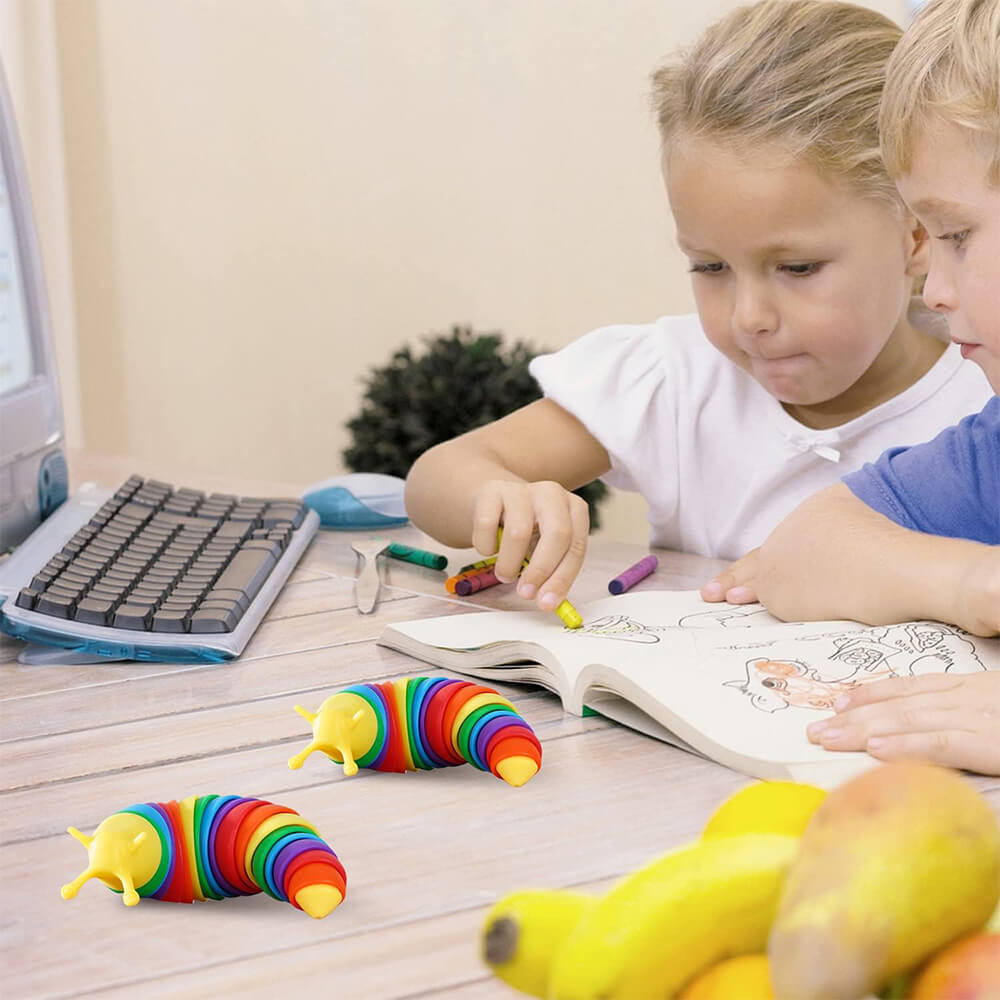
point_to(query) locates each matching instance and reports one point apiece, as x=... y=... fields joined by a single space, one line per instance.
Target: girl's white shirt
x=716 y=457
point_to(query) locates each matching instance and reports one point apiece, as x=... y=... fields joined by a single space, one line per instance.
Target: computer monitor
x=33 y=473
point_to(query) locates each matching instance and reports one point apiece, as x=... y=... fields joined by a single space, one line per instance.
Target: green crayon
x=430 y=559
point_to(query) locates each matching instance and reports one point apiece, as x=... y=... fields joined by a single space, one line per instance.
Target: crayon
x=482 y=564
x=476 y=581
x=419 y=556
x=571 y=618
x=631 y=576
x=452 y=581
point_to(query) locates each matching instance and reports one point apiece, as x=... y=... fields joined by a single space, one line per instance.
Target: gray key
x=133 y=616
x=41 y=580
x=27 y=597
x=229 y=596
x=179 y=604
x=231 y=609
x=168 y=620
x=247 y=572
x=233 y=530
x=283 y=512
x=57 y=605
x=264 y=545
x=146 y=595
x=213 y=620
x=94 y=611
x=136 y=511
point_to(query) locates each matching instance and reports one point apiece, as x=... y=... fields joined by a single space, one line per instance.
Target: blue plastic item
x=53 y=483
x=357 y=501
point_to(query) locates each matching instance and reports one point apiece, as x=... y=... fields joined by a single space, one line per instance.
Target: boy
x=917 y=533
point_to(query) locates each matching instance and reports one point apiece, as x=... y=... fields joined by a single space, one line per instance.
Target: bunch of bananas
x=788 y=893
x=667 y=921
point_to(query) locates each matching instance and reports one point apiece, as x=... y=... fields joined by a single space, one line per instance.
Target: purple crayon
x=633 y=575
x=476 y=581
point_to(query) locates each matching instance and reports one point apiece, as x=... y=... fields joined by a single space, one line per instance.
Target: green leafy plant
x=461 y=380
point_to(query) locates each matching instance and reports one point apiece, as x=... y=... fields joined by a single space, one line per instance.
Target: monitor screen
x=16 y=364
x=33 y=473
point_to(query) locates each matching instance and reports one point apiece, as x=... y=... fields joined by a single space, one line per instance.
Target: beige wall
x=268 y=196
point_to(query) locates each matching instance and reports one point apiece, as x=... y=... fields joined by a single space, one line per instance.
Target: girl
x=804 y=360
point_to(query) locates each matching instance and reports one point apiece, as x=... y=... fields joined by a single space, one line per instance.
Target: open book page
x=746 y=699
x=730 y=681
x=535 y=646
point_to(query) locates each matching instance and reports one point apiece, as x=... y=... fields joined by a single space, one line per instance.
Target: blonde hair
x=947 y=66
x=806 y=75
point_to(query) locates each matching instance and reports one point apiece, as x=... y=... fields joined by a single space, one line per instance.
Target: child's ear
x=918 y=249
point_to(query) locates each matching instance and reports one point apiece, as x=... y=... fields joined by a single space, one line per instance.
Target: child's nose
x=753 y=311
x=939 y=289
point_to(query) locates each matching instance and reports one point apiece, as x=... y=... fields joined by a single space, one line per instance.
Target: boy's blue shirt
x=949 y=486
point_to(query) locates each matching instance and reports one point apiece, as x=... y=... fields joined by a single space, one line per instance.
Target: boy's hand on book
x=950 y=719
x=543 y=515
x=736 y=583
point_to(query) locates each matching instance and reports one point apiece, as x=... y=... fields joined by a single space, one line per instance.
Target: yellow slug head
x=124 y=852
x=344 y=728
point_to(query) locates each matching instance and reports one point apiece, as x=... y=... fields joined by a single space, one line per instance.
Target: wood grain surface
x=425 y=853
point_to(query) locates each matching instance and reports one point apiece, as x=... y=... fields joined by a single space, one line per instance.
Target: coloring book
x=730 y=682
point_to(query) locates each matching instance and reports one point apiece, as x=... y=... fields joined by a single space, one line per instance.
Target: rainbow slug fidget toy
x=211 y=847
x=422 y=723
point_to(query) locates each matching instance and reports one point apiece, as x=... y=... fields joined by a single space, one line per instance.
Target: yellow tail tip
x=67 y=891
x=517 y=771
x=319 y=900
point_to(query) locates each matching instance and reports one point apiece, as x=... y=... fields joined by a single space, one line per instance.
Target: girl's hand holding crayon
x=541 y=520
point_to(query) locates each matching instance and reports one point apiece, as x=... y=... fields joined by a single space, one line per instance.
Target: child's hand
x=736 y=583
x=976 y=598
x=559 y=519
x=950 y=719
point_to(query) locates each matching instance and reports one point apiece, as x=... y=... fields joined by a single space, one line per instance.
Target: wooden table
x=425 y=853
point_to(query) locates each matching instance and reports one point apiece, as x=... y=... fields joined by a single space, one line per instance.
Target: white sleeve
x=618 y=382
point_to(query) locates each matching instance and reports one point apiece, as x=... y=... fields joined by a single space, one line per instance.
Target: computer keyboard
x=193 y=573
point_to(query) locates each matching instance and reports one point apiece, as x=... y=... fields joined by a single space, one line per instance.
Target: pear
x=894 y=864
x=969 y=969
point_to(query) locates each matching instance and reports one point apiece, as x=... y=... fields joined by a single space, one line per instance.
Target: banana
x=673 y=918
x=523 y=932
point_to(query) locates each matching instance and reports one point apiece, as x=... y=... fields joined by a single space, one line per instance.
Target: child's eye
x=800 y=270
x=698 y=268
x=957 y=239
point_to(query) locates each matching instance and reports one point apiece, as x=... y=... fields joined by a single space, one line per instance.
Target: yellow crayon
x=482 y=564
x=571 y=618
x=569 y=615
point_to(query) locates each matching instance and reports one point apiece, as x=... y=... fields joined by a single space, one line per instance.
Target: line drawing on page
x=846 y=660
x=632 y=630
x=619 y=627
